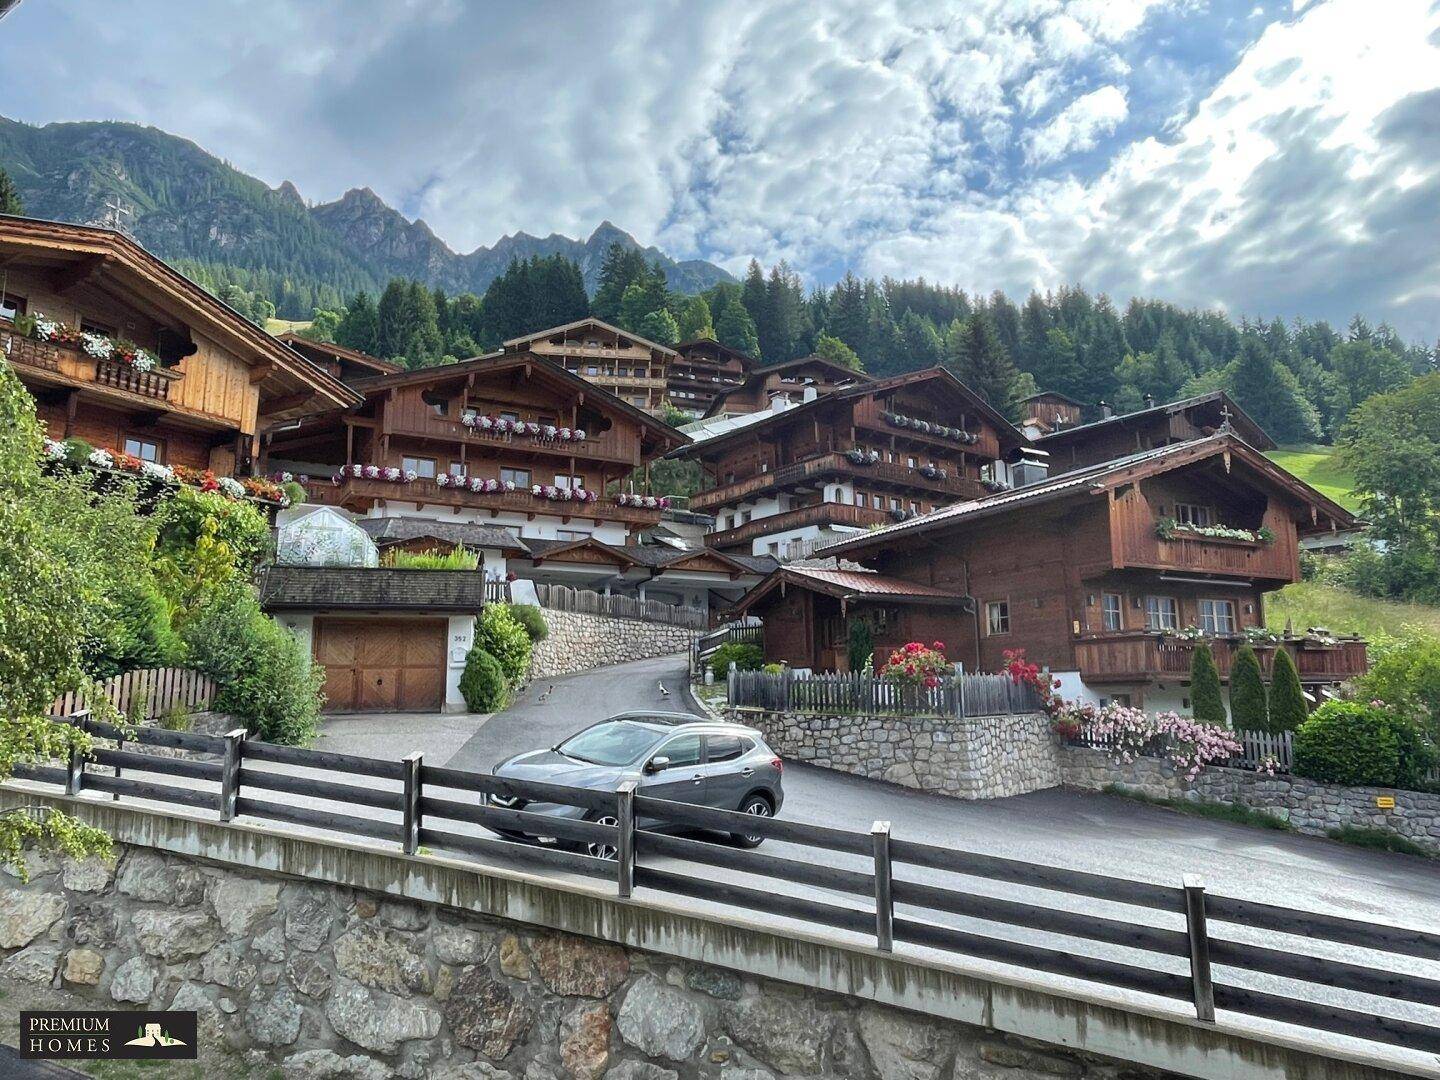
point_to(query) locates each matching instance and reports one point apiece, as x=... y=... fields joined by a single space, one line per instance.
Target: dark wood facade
x=1077 y=575
x=416 y=421
x=214 y=380
x=794 y=380
x=702 y=370
x=632 y=368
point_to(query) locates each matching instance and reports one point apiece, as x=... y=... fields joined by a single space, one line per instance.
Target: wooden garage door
x=381 y=665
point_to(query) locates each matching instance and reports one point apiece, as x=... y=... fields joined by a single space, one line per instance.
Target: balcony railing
x=821 y=514
x=73 y=364
x=890 y=474
x=1141 y=656
x=1140 y=546
x=360 y=492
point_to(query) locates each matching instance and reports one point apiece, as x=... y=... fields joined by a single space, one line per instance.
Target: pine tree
x=846 y=316
x=9 y=196
x=622 y=267
x=1249 y=710
x=920 y=342
x=977 y=358
x=1206 y=704
x=1270 y=394
x=756 y=298
x=1287 y=700
x=736 y=329
x=694 y=319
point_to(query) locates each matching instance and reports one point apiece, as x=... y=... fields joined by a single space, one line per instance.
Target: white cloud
x=1079 y=125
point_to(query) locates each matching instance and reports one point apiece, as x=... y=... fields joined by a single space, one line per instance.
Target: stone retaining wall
x=328 y=981
x=580 y=641
x=982 y=757
x=1308 y=805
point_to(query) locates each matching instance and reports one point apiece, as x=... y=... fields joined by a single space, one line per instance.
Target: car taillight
x=779 y=765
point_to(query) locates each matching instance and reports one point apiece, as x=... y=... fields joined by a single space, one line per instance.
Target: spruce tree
x=1206 y=703
x=976 y=356
x=1287 y=700
x=622 y=267
x=1249 y=710
x=736 y=329
x=9 y=197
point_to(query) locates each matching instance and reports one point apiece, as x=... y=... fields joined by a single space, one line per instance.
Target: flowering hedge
x=500 y=425
x=649 y=502
x=1128 y=733
x=915 y=664
x=99 y=346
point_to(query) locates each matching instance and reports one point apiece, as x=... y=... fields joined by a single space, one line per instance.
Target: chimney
x=1033 y=466
x=809 y=394
x=1105 y=411
x=1149 y=401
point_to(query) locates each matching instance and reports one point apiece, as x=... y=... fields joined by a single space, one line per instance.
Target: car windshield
x=619 y=742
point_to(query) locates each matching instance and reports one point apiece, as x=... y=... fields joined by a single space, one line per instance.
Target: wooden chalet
x=344 y=363
x=1105 y=573
x=470 y=442
x=1050 y=411
x=127 y=354
x=792 y=381
x=627 y=365
x=1149 y=428
x=702 y=370
x=869 y=454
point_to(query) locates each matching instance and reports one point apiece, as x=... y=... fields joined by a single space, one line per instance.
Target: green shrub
x=774 y=669
x=1417 y=753
x=482 y=684
x=532 y=619
x=746 y=658
x=1288 y=709
x=457 y=558
x=77 y=451
x=263 y=675
x=193 y=519
x=294 y=492
x=1207 y=706
x=860 y=648
x=1407 y=675
x=1347 y=742
x=137 y=634
x=500 y=634
x=1248 y=708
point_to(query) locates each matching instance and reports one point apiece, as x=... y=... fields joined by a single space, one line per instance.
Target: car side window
x=681 y=750
x=722 y=748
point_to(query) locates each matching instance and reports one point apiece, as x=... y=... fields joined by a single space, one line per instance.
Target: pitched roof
x=693 y=342
x=396 y=530
x=849 y=585
x=652 y=556
x=299 y=342
x=361 y=588
x=1054 y=394
x=1253 y=432
x=525 y=339
x=1095 y=479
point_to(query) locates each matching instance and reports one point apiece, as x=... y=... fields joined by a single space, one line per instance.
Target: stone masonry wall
x=580 y=641
x=329 y=982
x=1308 y=805
x=982 y=757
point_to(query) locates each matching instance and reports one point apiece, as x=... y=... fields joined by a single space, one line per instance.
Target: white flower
x=97 y=345
x=231 y=487
x=509 y=485
x=143 y=361
x=45 y=327
x=55 y=451
x=156 y=471
x=102 y=459
x=409 y=476
x=578 y=434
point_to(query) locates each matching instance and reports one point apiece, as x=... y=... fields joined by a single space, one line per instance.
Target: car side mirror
x=656 y=764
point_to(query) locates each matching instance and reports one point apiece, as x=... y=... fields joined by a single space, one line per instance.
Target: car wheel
x=597 y=850
x=755 y=806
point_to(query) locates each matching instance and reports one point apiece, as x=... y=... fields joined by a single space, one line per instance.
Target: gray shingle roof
x=396 y=530
x=362 y=588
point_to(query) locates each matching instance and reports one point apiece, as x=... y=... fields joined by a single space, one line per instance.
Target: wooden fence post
x=1202 y=988
x=411 y=803
x=884 y=904
x=625 y=839
x=75 y=771
x=230 y=772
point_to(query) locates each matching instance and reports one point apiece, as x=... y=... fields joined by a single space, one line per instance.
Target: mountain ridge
x=222 y=225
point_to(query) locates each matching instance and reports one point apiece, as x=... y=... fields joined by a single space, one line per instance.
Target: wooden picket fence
x=564 y=598
x=857 y=693
x=154 y=690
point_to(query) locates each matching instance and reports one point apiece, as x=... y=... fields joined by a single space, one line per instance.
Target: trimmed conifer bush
x=1207 y=704
x=482 y=684
x=532 y=619
x=1249 y=709
x=1287 y=700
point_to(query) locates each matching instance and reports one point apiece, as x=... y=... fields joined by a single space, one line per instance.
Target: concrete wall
x=341 y=960
x=580 y=641
x=1309 y=806
x=984 y=757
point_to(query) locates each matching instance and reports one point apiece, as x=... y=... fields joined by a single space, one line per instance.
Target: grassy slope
x=1321 y=468
x=1311 y=604
x=281 y=326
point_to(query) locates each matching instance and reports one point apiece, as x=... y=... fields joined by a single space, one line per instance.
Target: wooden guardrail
x=564 y=598
x=1176 y=942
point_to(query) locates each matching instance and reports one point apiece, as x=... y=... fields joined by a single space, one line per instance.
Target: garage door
x=380 y=665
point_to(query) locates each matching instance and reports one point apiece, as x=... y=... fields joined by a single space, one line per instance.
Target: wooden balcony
x=1139 y=656
x=73 y=366
x=611 y=446
x=823 y=514
x=359 y=494
x=1137 y=544
x=884 y=474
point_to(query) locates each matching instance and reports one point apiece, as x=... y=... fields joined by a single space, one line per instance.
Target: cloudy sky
x=1270 y=157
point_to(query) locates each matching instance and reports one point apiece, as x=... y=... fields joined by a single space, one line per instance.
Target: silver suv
x=673 y=756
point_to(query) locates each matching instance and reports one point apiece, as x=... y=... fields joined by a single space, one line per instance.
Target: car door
x=727 y=780
x=683 y=778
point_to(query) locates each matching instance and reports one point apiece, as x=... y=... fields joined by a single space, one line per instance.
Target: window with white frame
x=1194 y=514
x=1162 y=613
x=1217 y=616
x=997 y=617
x=1112 y=611
x=423 y=467
x=569 y=483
